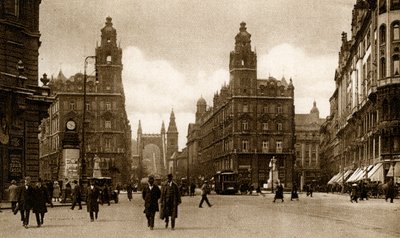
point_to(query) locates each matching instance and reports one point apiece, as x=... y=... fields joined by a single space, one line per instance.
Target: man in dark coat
x=151 y=193
x=92 y=204
x=170 y=199
x=129 y=190
x=279 y=192
x=76 y=196
x=39 y=205
x=391 y=191
x=25 y=201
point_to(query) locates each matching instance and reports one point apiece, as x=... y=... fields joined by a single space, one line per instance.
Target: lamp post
x=272 y=166
x=83 y=157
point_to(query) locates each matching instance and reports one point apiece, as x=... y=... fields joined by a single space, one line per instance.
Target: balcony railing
x=388 y=81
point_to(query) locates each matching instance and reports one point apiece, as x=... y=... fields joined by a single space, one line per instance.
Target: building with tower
x=156 y=150
x=107 y=128
x=23 y=104
x=362 y=131
x=250 y=122
x=307 y=168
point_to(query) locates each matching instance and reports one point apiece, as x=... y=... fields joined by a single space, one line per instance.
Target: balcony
x=388 y=81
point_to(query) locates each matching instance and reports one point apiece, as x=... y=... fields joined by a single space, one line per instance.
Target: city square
x=323 y=215
x=247 y=104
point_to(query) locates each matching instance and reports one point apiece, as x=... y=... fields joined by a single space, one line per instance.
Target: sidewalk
x=4 y=205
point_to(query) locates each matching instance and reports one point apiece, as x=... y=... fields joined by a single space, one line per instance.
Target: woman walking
x=56 y=191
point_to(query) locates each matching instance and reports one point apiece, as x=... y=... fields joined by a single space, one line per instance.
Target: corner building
x=363 y=128
x=251 y=121
x=23 y=103
x=107 y=128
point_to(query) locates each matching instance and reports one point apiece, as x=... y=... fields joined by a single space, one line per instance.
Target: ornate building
x=307 y=167
x=363 y=127
x=23 y=103
x=156 y=150
x=251 y=121
x=107 y=128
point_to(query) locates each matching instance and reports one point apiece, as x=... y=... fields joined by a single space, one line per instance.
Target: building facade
x=23 y=103
x=307 y=167
x=363 y=126
x=251 y=121
x=107 y=128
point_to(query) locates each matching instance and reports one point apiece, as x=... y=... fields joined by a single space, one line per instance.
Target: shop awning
x=353 y=176
x=344 y=176
x=396 y=170
x=334 y=178
x=376 y=173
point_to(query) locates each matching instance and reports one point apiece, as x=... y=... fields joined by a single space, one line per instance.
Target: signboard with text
x=71 y=159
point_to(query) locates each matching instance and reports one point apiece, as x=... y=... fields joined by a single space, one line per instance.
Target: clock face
x=71 y=125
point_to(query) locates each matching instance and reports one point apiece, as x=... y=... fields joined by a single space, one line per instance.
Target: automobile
x=101 y=183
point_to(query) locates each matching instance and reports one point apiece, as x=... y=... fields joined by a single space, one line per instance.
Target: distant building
x=307 y=167
x=156 y=150
x=107 y=128
x=23 y=104
x=363 y=129
x=251 y=121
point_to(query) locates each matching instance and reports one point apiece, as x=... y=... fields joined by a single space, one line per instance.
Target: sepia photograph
x=199 y=118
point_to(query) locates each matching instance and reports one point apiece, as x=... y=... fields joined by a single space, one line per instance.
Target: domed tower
x=109 y=60
x=201 y=108
x=314 y=111
x=243 y=64
x=172 y=136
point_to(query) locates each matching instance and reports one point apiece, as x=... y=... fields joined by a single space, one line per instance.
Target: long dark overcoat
x=41 y=198
x=176 y=201
x=92 y=197
x=151 y=197
x=26 y=198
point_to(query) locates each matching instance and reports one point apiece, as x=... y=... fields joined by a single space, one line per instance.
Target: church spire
x=139 y=130
x=162 y=128
x=172 y=125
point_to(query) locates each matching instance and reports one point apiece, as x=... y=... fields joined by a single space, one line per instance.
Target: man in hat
x=13 y=192
x=151 y=193
x=76 y=196
x=170 y=199
x=205 y=189
x=25 y=201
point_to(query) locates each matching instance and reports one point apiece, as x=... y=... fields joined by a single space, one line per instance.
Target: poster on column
x=71 y=158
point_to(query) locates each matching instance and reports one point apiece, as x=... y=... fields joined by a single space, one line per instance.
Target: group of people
x=166 y=200
x=360 y=191
x=27 y=198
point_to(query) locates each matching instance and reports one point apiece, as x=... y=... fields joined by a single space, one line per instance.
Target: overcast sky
x=176 y=51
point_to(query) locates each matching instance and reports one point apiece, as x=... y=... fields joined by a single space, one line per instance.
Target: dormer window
x=108 y=59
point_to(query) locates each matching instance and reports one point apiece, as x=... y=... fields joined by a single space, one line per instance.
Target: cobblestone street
x=324 y=215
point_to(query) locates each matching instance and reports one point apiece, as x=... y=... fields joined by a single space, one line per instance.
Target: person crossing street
x=205 y=189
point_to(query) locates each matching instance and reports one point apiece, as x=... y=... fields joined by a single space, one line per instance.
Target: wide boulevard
x=323 y=215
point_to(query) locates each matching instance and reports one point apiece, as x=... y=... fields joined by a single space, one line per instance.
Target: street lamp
x=83 y=162
x=272 y=166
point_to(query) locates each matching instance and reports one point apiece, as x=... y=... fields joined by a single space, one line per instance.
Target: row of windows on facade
x=55 y=125
x=73 y=106
x=54 y=144
x=395 y=66
x=265 y=126
x=265 y=109
x=265 y=146
x=394 y=5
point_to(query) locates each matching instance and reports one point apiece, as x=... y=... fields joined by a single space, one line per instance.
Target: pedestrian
x=105 y=195
x=92 y=204
x=170 y=199
x=294 y=194
x=129 y=190
x=390 y=192
x=41 y=197
x=76 y=196
x=309 y=190
x=151 y=193
x=67 y=192
x=192 y=189
x=56 y=191
x=205 y=189
x=13 y=194
x=25 y=201
x=354 y=193
x=279 y=192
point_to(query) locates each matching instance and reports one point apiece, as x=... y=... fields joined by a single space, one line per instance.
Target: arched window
x=385 y=109
x=382 y=6
x=395 y=65
x=396 y=30
x=382 y=34
x=383 y=67
x=109 y=59
x=395 y=108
